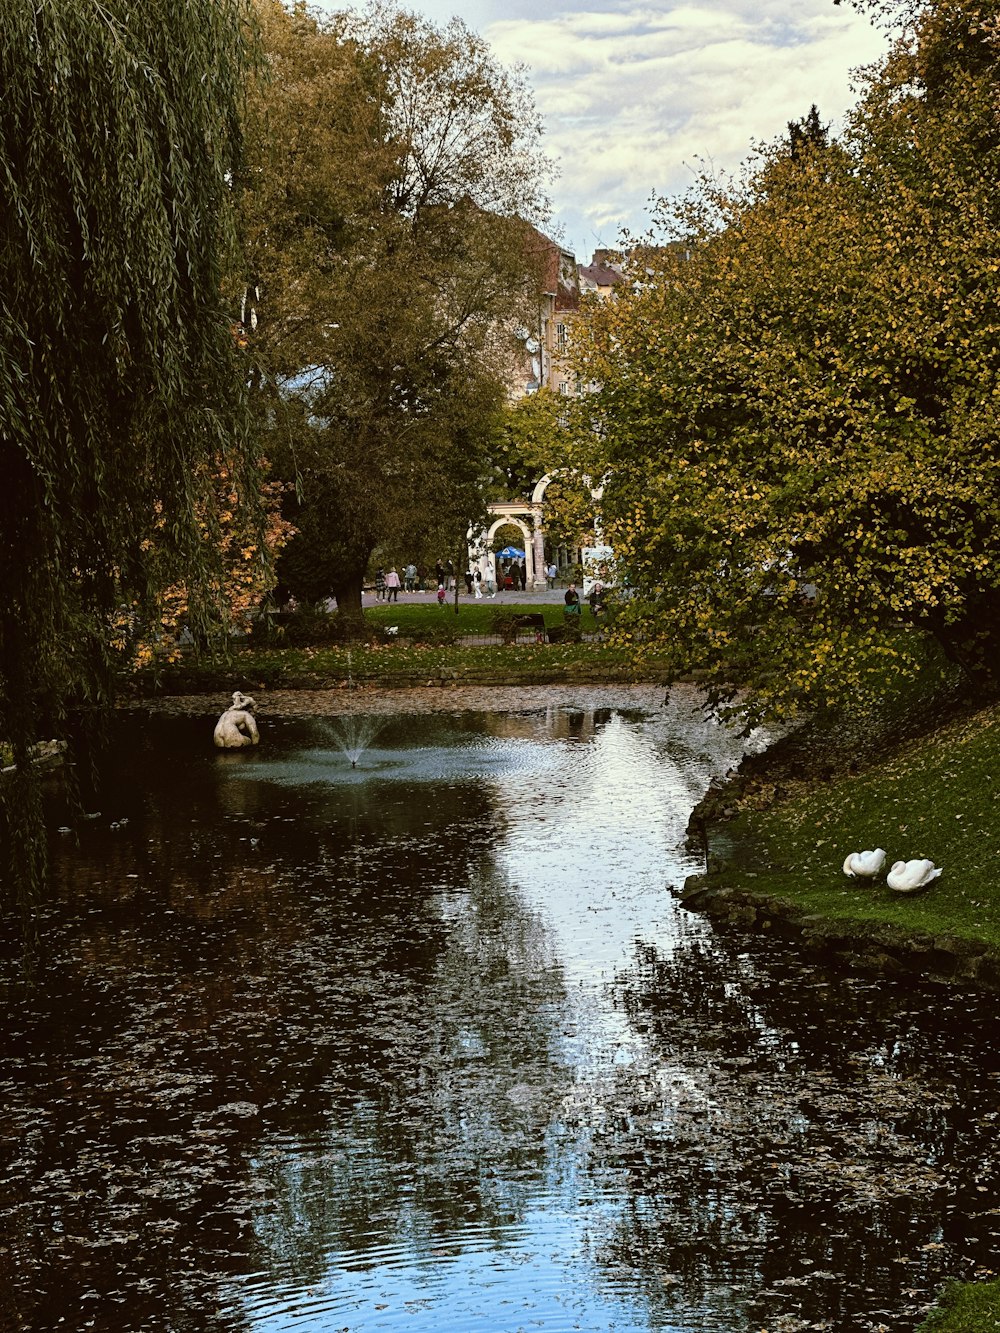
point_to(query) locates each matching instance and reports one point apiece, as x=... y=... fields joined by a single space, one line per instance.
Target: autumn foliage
x=800 y=393
x=233 y=587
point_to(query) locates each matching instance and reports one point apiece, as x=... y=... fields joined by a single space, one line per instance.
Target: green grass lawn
x=431 y=644
x=473 y=617
x=933 y=796
x=397 y=663
x=966 y=1307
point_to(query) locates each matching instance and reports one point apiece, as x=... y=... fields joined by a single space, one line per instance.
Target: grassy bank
x=432 y=645
x=966 y=1307
x=931 y=796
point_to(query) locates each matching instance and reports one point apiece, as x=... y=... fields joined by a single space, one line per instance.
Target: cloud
x=634 y=98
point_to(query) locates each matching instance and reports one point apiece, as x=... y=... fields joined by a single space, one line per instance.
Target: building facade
x=541 y=362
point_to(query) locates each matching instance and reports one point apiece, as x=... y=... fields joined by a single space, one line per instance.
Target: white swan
x=864 y=865
x=909 y=876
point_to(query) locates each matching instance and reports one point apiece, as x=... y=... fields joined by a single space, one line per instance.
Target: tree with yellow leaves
x=800 y=393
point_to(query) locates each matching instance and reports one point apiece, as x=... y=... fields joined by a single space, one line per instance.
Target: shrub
x=443 y=632
x=504 y=622
x=305 y=627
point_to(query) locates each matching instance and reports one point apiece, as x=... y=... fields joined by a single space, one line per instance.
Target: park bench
x=531 y=624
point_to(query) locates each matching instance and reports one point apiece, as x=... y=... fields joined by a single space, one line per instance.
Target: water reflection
x=426 y=1043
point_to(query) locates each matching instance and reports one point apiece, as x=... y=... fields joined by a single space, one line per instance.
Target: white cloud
x=634 y=95
x=634 y=98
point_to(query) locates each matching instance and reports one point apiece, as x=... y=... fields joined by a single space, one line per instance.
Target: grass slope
x=966 y=1307
x=932 y=796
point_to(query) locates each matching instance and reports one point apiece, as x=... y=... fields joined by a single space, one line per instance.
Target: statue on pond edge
x=237 y=726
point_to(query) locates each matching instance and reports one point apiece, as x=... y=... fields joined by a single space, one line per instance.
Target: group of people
x=387 y=586
x=513 y=573
x=595 y=597
x=510 y=573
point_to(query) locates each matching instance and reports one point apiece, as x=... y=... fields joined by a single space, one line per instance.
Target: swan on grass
x=909 y=876
x=864 y=865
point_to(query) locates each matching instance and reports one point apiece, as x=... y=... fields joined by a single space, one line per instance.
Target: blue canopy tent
x=506 y=577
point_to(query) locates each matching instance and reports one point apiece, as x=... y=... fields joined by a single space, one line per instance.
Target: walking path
x=529 y=597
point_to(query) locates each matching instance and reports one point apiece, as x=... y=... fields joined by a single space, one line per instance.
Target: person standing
x=392 y=585
x=522 y=574
x=551 y=574
x=572 y=600
x=409 y=576
x=439 y=574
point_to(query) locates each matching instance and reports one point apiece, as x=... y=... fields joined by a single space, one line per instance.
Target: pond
x=428 y=1044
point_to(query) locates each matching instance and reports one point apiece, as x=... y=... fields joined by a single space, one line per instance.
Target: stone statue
x=236 y=727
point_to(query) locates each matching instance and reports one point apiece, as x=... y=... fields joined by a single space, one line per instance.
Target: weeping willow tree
x=122 y=396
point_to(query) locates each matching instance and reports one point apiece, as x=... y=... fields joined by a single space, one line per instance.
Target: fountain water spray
x=354 y=734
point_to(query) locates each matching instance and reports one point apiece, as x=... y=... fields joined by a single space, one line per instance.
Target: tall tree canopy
x=121 y=386
x=804 y=388
x=393 y=162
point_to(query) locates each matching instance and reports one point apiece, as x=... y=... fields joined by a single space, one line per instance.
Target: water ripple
x=429 y=1044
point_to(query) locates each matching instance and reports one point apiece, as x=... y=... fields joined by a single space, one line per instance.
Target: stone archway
x=525 y=516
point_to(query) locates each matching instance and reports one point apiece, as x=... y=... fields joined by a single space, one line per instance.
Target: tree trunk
x=348 y=594
x=973 y=644
x=460 y=567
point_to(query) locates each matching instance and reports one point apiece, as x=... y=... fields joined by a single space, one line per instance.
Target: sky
x=637 y=98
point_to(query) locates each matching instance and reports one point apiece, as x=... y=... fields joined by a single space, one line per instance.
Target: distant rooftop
x=605 y=270
x=601 y=275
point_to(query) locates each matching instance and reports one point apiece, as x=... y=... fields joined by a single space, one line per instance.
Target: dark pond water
x=426 y=1044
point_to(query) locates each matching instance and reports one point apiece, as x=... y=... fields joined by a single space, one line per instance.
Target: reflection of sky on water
x=586 y=816
x=595 y=841
x=484 y=1284
x=427 y=1044
x=590 y=821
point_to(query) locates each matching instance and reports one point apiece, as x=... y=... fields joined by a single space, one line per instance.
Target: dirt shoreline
x=378 y=699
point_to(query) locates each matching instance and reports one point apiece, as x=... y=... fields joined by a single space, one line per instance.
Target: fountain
x=462 y=966
x=353 y=734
